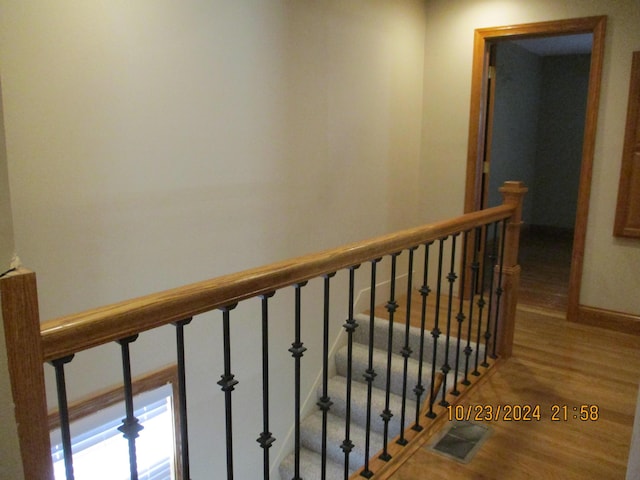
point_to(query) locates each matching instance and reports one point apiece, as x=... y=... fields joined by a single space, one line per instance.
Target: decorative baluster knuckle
x=386 y=415
x=130 y=428
x=227 y=382
x=266 y=439
x=324 y=403
x=350 y=325
x=391 y=306
x=369 y=375
x=297 y=349
x=425 y=290
x=347 y=446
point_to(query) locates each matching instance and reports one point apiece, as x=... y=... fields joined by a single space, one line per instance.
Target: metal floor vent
x=461 y=440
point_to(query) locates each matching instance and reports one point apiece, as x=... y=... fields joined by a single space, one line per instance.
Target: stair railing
x=31 y=344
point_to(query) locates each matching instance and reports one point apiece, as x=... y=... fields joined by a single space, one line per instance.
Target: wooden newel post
x=19 y=299
x=512 y=194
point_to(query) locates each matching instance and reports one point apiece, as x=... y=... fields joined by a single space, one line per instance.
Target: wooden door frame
x=482 y=40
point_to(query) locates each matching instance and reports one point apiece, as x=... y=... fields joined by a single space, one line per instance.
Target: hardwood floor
x=559 y=363
x=554 y=363
x=545 y=258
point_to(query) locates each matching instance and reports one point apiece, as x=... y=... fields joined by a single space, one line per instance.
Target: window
x=99 y=450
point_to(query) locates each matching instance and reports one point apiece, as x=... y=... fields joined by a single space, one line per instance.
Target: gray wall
x=539 y=114
x=515 y=120
x=563 y=94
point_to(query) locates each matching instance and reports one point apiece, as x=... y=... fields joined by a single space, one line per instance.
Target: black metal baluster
x=63 y=409
x=266 y=439
x=297 y=351
x=481 y=303
x=424 y=292
x=370 y=373
x=325 y=402
x=475 y=267
x=391 y=307
x=350 y=327
x=451 y=278
x=406 y=349
x=460 y=317
x=182 y=398
x=499 y=290
x=130 y=425
x=493 y=256
x=227 y=383
x=435 y=333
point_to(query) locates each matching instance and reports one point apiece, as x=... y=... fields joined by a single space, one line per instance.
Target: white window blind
x=100 y=452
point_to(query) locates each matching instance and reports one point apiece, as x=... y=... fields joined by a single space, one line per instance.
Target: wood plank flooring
x=545 y=258
x=555 y=362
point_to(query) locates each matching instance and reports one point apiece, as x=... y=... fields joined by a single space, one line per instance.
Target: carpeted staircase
x=311 y=426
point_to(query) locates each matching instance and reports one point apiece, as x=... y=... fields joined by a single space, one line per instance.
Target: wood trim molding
x=609 y=319
x=482 y=40
x=627 y=222
x=586 y=170
x=114 y=395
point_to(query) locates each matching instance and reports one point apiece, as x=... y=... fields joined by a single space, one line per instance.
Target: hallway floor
x=555 y=364
x=558 y=367
x=545 y=258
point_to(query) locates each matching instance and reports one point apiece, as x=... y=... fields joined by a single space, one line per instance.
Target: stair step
x=337 y=387
x=311 y=439
x=381 y=333
x=311 y=426
x=360 y=364
x=310 y=467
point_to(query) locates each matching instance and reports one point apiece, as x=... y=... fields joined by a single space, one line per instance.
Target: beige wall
x=10 y=464
x=156 y=143
x=611 y=266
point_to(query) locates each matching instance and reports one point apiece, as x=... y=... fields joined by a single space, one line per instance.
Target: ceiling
x=560 y=45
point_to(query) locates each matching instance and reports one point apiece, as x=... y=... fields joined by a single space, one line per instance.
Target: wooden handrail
x=77 y=332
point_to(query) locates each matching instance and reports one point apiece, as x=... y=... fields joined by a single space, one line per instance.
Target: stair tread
x=311 y=438
x=337 y=387
x=360 y=357
x=310 y=467
x=380 y=337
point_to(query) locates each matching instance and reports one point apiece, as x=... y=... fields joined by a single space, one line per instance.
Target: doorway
x=479 y=186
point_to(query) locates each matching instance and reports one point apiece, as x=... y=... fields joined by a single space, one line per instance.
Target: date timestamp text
x=523 y=413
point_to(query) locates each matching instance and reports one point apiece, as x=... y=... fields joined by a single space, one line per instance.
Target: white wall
x=146 y=139
x=156 y=143
x=10 y=464
x=610 y=277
